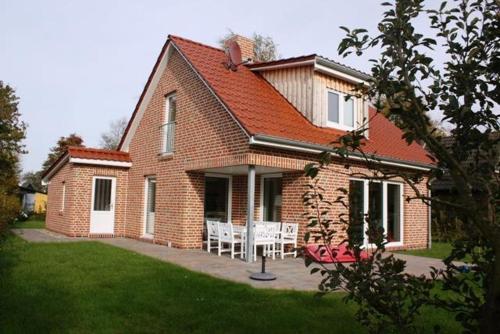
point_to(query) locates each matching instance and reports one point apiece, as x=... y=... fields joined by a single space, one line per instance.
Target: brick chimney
x=246 y=45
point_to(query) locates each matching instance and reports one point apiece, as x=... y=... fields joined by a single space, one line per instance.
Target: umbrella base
x=263 y=276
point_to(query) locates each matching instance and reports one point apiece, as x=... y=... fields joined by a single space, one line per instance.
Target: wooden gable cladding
x=296 y=85
x=306 y=89
x=323 y=83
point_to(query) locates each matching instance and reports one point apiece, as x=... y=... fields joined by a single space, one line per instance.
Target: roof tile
x=261 y=109
x=98 y=154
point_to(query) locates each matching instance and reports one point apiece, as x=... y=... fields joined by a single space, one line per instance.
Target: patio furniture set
x=273 y=237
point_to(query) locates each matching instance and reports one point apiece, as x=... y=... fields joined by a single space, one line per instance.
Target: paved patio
x=291 y=273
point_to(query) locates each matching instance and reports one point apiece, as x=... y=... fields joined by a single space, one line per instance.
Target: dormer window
x=341 y=112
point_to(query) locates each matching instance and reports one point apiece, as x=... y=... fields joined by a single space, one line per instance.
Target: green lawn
x=30 y=223
x=86 y=287
x=439 y=250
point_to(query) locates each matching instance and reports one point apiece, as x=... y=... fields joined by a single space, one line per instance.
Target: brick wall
x=206 y=137
x=58 y=218
x=74 y=220
x=204 y=130
x=82 y=197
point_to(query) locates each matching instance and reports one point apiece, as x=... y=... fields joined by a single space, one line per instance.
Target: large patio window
x=394 y=212
x=217 y=198
x=271 y=198
x=382 y=203
x=357 y=209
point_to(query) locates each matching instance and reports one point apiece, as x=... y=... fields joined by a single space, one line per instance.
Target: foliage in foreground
x=408 y=86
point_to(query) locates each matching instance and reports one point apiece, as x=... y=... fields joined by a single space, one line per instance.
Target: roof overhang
x=95 y=162
x=320 y=64
x=147 y=94
x=287 y=144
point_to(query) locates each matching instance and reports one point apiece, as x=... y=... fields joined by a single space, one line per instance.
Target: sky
x=78 y=65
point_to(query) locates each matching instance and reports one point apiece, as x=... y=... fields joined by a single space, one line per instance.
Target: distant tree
x=265 y=48
x=12 y=132
x=35 y=179
x=111 y=139
x=61 y=146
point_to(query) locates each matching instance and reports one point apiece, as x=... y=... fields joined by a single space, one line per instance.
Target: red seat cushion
x=332 y=254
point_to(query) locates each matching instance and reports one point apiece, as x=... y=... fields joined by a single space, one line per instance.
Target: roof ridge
x=289 y=59
x=170 y=36
x=92 y=149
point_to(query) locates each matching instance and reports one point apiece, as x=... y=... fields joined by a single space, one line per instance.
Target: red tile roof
x=261 y=109
x=86 y=153
x=98 y=154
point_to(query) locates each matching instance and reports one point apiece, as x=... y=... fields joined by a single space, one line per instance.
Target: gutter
x=284 y=65
x=342 y=68
x=294 y=145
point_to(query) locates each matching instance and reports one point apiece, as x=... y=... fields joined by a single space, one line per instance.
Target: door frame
x=262 y=181
x=145 y=213
x=366 y=183
x=113 y=200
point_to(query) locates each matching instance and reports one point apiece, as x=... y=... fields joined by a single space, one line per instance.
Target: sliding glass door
x=271 y=198
x=217 y=198
x=381 y=203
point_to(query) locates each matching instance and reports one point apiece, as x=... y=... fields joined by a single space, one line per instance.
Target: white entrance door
x=149 y=228
x=102 y=214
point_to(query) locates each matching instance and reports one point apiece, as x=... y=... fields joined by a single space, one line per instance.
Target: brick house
x=207 y=141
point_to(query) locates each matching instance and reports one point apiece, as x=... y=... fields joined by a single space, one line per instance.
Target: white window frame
x=229 y=193
x=340 y=125
x=384 y=210
x=166 y=121
x=261 y=202
x=145 y=211
x=166 y=118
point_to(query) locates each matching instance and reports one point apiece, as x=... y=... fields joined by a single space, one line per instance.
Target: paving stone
x=291 y=272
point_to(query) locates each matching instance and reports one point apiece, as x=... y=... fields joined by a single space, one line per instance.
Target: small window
x=333 y=107
x=349 y=112
x=171 y=106
x=168 y=127
x=341 y=112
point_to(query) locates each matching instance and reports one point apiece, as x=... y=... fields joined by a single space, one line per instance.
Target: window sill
x=165 y=156
x=339 y=126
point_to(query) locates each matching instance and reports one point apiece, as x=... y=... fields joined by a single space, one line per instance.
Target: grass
x=86 y=287
x=32 y=222
x=439 y=250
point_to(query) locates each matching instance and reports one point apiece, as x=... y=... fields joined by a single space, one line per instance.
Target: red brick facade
x=206 y=137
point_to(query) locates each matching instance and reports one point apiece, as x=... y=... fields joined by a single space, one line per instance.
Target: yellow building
x=32 y=200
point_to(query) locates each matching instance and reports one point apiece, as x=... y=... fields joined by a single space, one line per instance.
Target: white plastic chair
x=277 y=226
x=288 y=236
x=264 y=235
x=227 y=236
x=212 y=234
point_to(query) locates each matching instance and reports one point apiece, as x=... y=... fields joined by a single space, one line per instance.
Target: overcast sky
x=78 y=65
